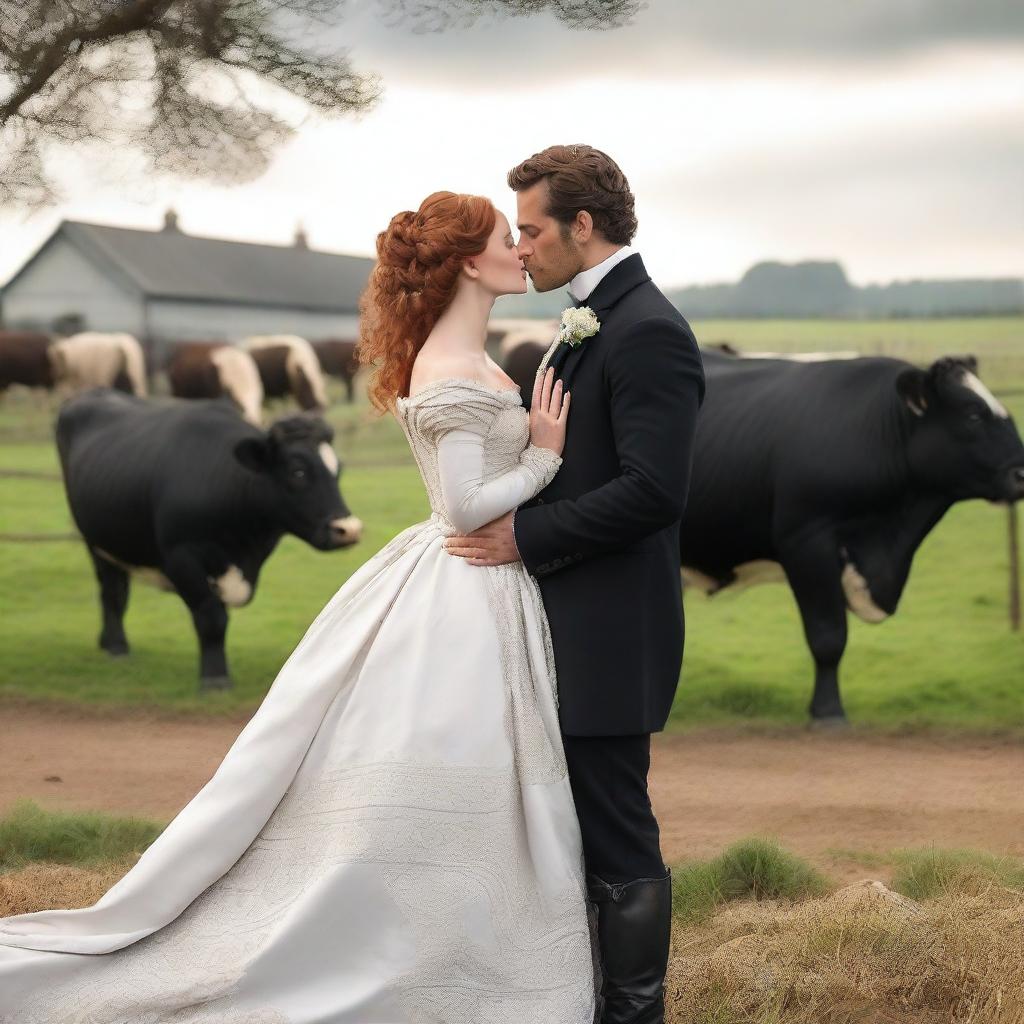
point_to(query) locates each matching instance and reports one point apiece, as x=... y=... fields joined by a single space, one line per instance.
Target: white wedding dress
x=392 y=837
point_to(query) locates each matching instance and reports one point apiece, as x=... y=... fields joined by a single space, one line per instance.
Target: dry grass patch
x=863 y=954
x=57 y=886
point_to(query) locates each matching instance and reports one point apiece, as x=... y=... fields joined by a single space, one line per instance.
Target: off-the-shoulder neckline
x=517 y=391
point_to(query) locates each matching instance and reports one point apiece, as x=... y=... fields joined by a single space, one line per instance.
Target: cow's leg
x=813 y=571
x=350 y=389
x=185 y=569
x=113 y=581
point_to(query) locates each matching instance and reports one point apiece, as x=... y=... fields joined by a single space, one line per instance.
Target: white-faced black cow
x=831 y=474
x=192 y=491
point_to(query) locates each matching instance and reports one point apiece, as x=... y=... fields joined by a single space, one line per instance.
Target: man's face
x=547 y=249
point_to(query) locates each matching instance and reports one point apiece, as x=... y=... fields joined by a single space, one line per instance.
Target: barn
x=167 y=285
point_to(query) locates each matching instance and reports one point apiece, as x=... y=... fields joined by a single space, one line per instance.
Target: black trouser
x=626 y=877
x=608 y=776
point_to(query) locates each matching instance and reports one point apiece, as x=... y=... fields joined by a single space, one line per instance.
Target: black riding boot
x=634 y=923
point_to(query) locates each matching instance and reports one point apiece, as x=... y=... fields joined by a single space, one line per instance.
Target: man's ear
x=253 y=453
x=582 y=227
x=912 y=386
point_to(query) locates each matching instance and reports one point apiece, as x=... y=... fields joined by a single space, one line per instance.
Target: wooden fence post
x=1014 y=567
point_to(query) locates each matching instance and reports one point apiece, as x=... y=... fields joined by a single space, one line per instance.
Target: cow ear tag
x=911 y=386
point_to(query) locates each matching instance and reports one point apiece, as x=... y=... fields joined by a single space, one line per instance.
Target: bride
x=392 y=837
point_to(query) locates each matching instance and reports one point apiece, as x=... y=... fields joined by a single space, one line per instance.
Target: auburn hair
x=419 y=256
x=581 y=178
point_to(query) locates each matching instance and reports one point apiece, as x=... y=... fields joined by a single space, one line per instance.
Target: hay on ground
x=45 y=886
x=863 y=954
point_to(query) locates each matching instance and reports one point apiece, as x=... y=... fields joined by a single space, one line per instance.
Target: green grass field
x=946 y=661
x=997 y=342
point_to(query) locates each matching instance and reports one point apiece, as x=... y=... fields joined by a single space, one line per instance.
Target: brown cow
x=209 y=369
x=521 y=364
x=288 y=365
x=338 y=359
x=522 y=349
x=24 y=359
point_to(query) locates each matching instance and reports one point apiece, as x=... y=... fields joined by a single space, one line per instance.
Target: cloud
x=900 y=158
x=676 y=39
x=897 y=205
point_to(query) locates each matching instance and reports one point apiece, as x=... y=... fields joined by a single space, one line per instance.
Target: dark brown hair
x=581 y=178
x=419 y=257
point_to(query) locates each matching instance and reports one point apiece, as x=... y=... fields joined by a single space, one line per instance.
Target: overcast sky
x=887 y=134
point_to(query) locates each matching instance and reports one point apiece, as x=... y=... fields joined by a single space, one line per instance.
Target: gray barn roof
x=173 y=265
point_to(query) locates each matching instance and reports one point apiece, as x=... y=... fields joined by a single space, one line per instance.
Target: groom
x=602 y=539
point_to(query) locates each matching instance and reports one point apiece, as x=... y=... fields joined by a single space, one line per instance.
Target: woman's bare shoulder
x=431 y=369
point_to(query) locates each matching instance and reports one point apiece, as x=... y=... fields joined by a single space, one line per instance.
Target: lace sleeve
x=454 y=408
x=469 y=501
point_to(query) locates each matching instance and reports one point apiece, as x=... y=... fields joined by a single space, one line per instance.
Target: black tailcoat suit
x=602 y=538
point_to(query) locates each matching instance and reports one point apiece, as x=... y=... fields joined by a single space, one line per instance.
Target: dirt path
x=814 y=792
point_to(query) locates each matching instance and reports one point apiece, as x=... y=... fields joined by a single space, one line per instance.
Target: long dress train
x=392 y=838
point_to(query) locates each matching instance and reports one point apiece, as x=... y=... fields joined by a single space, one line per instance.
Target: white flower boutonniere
x=577 y=325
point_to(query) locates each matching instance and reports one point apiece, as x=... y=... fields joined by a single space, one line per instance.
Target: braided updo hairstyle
x=419 y=257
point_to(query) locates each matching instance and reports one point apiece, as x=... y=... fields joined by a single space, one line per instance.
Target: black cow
x=192 y=491
x=835 y=472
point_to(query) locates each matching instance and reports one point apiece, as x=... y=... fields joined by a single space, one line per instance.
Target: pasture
x=998 y=342
x=947 y=660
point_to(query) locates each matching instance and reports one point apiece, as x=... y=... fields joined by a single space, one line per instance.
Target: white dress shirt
x=584 y=283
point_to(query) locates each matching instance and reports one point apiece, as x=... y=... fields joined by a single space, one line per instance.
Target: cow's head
x=963 y=441
x=295 y=454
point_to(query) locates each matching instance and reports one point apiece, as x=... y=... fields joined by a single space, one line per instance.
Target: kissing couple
x=446 y=783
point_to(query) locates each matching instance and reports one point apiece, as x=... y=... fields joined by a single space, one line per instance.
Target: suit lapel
x=555 y=355
x=620 y=280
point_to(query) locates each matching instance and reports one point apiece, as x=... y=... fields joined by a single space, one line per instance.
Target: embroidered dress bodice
x=471 y=443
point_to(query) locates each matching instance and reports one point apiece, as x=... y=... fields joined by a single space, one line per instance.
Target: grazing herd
x=248 y=372
x=826 y=473
x=257 y=368
x=81 y=361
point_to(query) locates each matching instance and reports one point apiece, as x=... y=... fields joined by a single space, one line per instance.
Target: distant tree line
x=821 y=289
x=816 y=289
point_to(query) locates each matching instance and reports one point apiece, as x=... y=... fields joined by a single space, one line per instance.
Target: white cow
x=240 y=378
x=94 y=359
